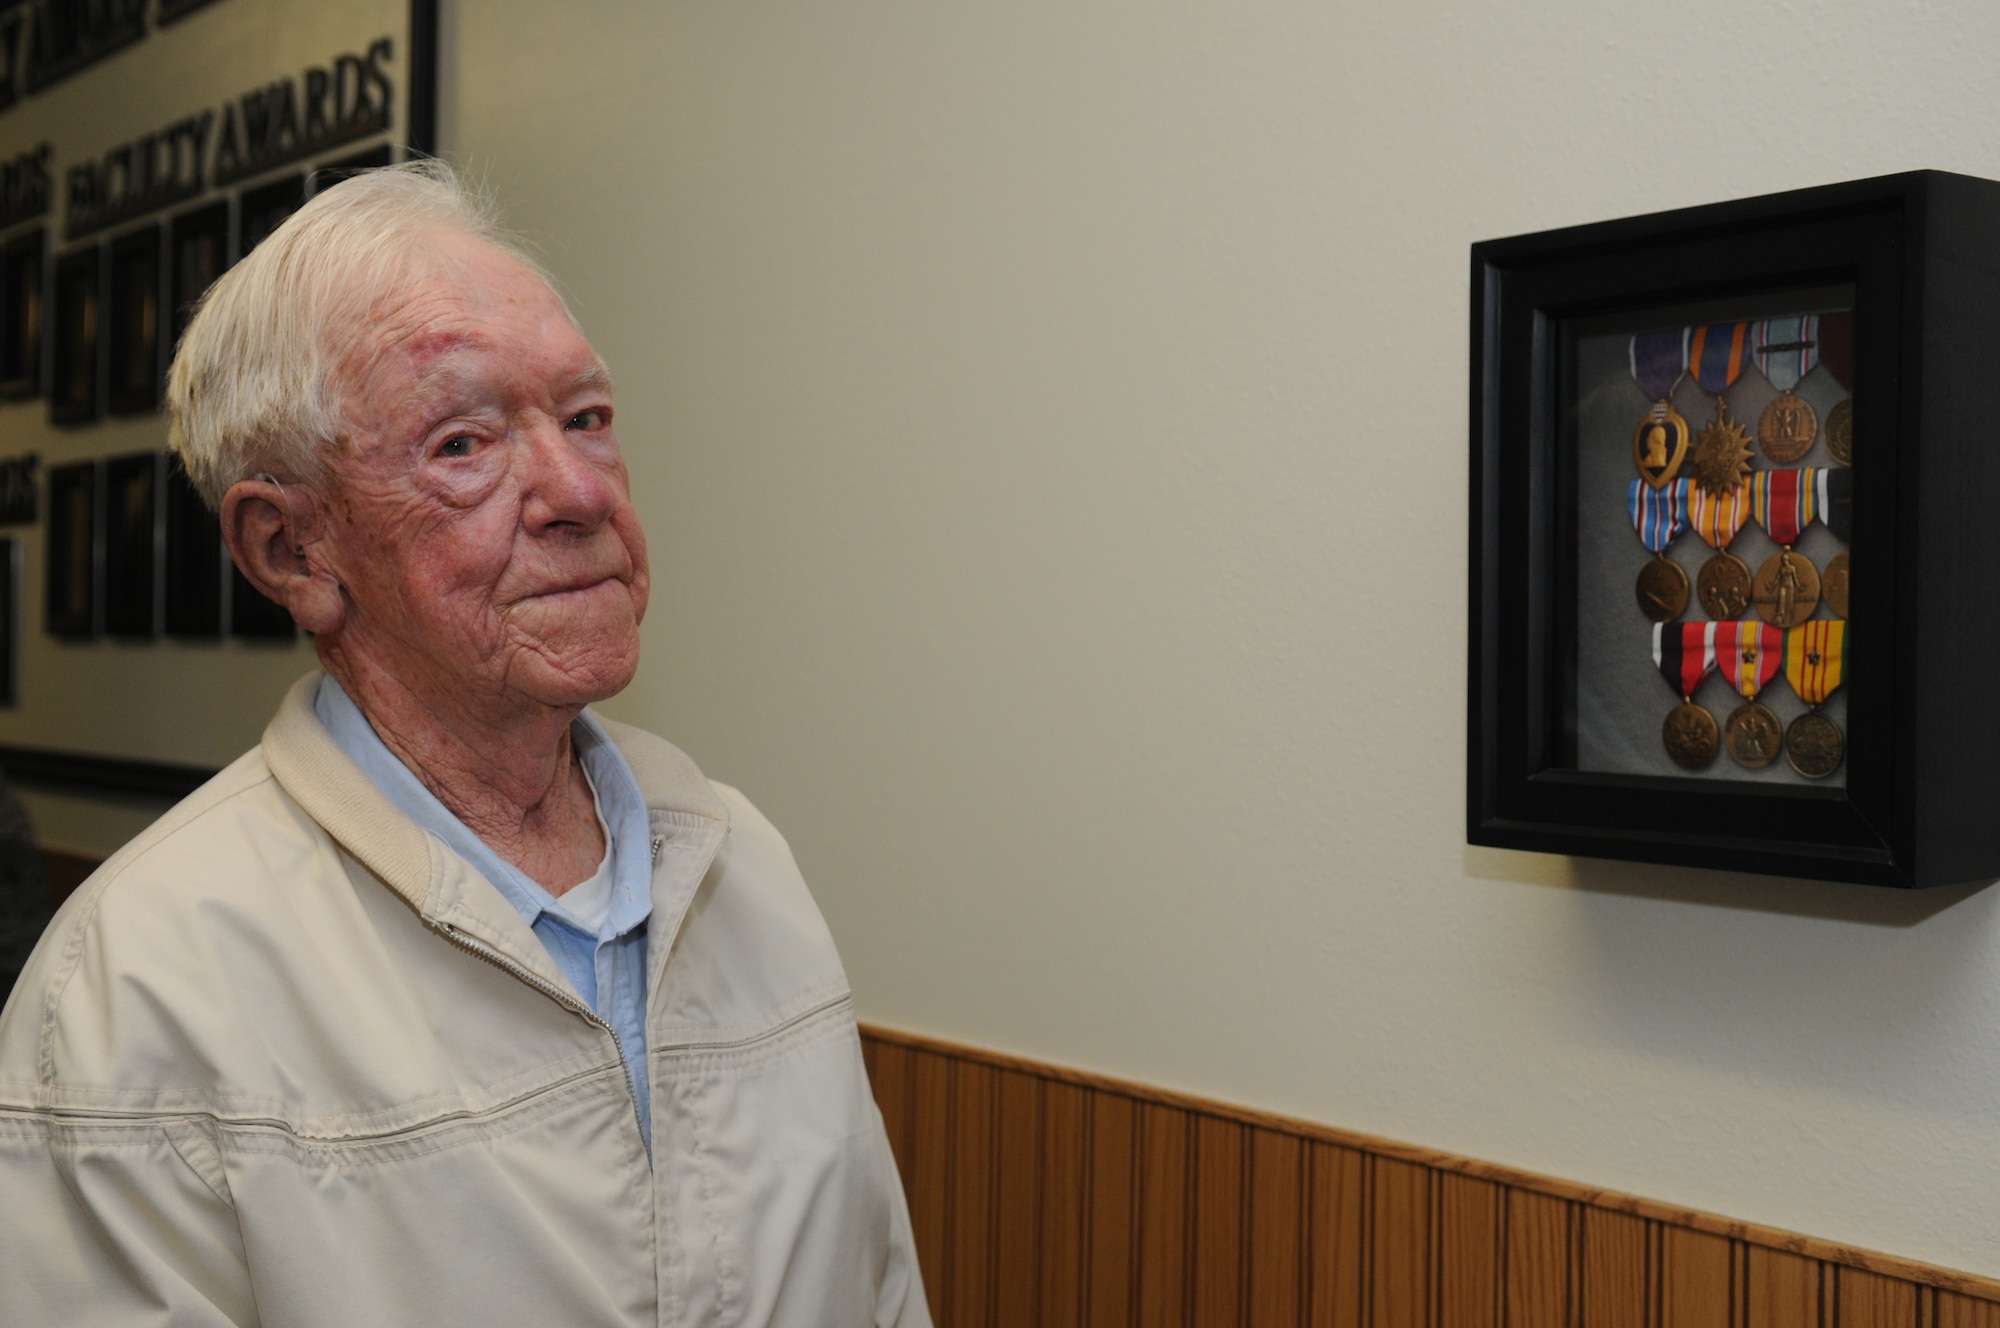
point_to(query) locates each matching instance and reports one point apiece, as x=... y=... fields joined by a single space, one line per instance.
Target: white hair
x=253 y=385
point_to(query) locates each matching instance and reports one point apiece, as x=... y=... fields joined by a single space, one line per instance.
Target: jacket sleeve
x=116 y=1222
x=901 y=1303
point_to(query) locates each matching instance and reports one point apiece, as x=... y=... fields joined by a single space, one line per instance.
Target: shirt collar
x=619 y=802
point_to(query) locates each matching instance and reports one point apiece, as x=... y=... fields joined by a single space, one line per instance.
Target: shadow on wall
x=1752 y=994
x=1833 y=901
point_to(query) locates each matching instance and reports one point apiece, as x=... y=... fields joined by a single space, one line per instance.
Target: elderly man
x=450 y=1003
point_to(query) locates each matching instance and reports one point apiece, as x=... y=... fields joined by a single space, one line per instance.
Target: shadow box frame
x=1921 y=254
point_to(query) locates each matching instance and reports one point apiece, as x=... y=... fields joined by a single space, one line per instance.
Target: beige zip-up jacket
x=287 y=1060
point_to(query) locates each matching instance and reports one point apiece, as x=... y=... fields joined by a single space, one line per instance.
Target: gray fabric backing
x=1621 y=698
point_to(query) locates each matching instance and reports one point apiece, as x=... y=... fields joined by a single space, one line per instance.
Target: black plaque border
x=1923 y=762
x=24 y=279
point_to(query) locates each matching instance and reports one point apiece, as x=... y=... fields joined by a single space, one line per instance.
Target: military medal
x=1835 y=496
x=1840 y=431
x=1659 y=515
x=1786 y=588
x=1836 y=352
x=1723 y=585
x=1787 y=350
x=1747 y=654
x=1815 y=664
x=1833 y=583
x=1660 y=442
x=1719 y=460
x=1685 y=652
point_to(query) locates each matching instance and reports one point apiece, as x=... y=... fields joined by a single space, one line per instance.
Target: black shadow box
x=1801 y=382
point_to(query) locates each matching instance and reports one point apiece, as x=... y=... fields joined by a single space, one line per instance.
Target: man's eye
x=587 y=420
x=456 y=447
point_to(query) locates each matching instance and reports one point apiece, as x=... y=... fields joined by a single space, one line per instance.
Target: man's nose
x=561 y=486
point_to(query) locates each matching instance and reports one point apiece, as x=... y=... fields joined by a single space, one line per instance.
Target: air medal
x=1787 y=350
x=1720 y=457
x=1685 y=652
x=1659 y=515
x=1660 y=442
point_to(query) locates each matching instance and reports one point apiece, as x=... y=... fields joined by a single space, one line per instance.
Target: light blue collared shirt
x=607 y=967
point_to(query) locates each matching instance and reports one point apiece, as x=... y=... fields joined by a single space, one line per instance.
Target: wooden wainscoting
x=1045 y=1196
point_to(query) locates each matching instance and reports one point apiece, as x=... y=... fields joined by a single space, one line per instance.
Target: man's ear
x=263 y=523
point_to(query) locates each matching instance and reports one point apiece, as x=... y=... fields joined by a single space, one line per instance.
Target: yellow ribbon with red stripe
x=1816 y=658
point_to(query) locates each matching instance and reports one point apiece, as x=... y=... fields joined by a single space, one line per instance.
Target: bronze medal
x=1786 y=589
x=1839 y=430
x=1660 y=444
x=1723 y=586
x=1814 y=746
x=1833 y=583
x=1690 y=736
x=1720 y=458
x=1753 y=735
x=1787 y=429
x=1663 y=589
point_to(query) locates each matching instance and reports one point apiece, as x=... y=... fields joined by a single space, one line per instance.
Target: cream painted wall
x=1050 y=421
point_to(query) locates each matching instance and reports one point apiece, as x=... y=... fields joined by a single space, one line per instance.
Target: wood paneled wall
x=1044 y=1196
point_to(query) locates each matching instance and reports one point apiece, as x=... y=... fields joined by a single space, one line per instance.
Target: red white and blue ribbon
x=1658 y=514
x=1786 y=349
x=1784 y=502
x=1717 y=353
x=1684 y=652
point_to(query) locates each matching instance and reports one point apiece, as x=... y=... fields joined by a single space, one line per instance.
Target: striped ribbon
x=1684 y=652
x=1717 y=354
x=1748 y=654
x=1658 y=514
x=1834 y=492
x=1816 y=658
x=1784 y=501
x=1787 y=349
x=1717 y=517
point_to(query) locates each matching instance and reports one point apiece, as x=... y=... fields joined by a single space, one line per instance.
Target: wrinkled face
x=479 y=517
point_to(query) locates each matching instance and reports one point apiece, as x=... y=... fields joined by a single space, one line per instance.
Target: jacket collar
x=688 y=820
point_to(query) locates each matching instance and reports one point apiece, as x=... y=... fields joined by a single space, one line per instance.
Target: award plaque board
x=132 y=322
x=21 y=280
x=74 y=397
x=132 y=510
x=74 y=551
x=1707 y=627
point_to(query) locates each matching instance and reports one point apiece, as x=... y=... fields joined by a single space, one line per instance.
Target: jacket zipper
x=559 y=996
